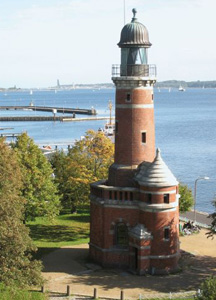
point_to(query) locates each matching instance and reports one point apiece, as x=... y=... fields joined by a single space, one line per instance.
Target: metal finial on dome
x=158 y=151
x=134 y=11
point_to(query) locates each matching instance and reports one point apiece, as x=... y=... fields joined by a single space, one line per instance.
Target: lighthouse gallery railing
x=135 y=70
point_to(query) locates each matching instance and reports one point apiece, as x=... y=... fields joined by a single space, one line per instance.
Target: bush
x=208 y=289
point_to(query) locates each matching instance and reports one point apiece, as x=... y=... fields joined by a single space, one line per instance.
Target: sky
x=75 y=41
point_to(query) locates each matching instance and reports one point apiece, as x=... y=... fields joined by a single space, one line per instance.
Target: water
x=185 y=128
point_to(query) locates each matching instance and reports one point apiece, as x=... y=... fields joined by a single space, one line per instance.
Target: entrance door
x=134 y=260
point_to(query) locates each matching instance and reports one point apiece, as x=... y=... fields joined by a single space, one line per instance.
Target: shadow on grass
x=76 y=218
x=57 y=233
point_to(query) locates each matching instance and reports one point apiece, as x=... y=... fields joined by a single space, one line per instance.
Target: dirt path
x=67 y=266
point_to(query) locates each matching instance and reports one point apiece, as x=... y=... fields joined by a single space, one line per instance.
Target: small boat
x=47 y=150
x=31 y=92
x=181 y=89
x=109 y=129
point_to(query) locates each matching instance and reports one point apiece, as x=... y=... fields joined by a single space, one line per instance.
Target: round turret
x=134 y=34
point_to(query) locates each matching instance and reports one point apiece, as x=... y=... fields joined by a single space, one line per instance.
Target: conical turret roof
x=157 y=174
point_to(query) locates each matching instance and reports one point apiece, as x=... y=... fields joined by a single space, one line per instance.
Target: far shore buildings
x=135 y=213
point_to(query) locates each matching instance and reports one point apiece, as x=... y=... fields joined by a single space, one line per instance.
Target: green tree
x=208 y=289
x=17 y=267
x=39 y=188
x=186 y=200
x=87 y=161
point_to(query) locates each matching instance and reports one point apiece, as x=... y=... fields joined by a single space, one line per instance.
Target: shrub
x=208 y=289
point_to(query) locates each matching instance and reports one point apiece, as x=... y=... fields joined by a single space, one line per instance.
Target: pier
x=49 y=118
x=52 y=109
x=10 y=135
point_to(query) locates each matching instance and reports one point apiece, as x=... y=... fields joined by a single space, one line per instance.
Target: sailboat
x=181 y=89
x=31 y=92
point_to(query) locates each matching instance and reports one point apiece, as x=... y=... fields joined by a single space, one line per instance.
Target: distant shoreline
x=99 y=86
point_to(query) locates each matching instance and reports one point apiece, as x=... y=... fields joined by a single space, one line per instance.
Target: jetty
x=49 y=118
x=10 y=135
x=56 y=109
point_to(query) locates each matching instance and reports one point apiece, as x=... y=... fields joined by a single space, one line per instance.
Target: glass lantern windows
x=137 y=56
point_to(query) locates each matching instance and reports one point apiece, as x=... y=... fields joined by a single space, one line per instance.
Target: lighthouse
x=135 y=212
x=134 y=80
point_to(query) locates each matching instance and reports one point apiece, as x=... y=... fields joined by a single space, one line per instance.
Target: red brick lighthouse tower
x=134 y=214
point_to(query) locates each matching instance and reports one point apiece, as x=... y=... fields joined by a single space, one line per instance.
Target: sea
x=185 y=128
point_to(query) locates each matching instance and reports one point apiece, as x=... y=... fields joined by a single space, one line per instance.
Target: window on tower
x=166 y=233
x=143 y=137
x=128 y=97
x=126 y=196
x=116 y=127
x=149 y=199
x=166 y=198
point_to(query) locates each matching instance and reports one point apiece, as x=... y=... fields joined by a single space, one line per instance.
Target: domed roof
x=134 y=34
x=157 y=174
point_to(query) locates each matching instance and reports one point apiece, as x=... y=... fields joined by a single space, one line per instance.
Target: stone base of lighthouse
x=127 y=232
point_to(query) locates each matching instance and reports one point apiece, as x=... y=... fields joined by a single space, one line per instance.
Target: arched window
x=121 y=235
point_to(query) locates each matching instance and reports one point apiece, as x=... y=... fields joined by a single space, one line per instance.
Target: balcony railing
x=134 y=70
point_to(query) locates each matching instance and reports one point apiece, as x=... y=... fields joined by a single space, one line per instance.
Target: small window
x=126 y=196
x=110 y=194
x=120 y=195
x=149 y=198
x=115 y=195
x=131 y=196
x=143 y=137
x=116 y=127
x=121 y=234
x=166 y=233
x=166 y=198
x=128 y=97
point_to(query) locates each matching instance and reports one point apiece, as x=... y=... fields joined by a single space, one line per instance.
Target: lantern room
x=134 y=42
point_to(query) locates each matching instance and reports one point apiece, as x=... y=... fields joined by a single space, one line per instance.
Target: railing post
x=42 y=289
x=122 y=295
x=68 y=290
x=95 y=293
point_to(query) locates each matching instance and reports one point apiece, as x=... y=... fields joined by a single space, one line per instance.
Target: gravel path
x=67 y=266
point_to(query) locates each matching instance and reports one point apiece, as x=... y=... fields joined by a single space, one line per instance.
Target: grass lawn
x=64 y=230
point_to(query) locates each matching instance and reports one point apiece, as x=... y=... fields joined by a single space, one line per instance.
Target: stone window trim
x=113 y=231
x=116 y=222
x=166 y=233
